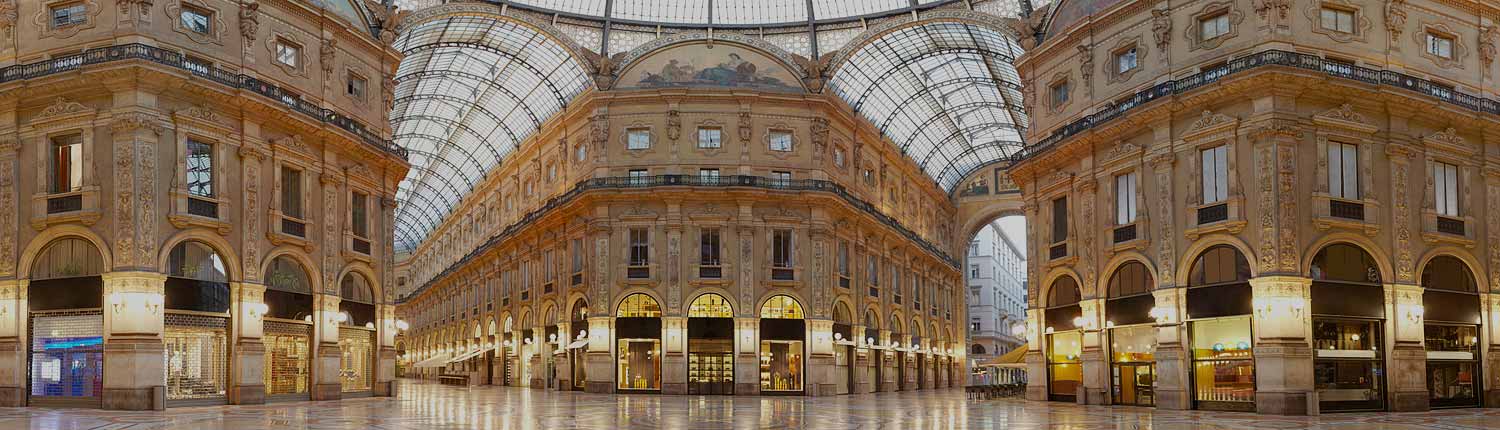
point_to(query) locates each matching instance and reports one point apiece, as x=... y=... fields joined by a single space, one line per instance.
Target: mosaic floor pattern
x=427 y=406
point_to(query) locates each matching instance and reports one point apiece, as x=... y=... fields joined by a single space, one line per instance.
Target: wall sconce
x=402 y=325
x=838 y=337
x=149 y=301
x=1271 y=307
x=370 y=325
x=1163 y=314
x=552 y=338
x=583 y=333
x=1412 y=312
x=341 y=317
x=528 y=341
x=257 y=310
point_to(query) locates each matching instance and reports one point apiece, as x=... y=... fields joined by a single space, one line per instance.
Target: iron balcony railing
x=165 y=57
x=1307 y=62
x=656 y=181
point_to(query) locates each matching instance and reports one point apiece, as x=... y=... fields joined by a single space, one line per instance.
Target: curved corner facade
x=195 y=203
x=1273 y=206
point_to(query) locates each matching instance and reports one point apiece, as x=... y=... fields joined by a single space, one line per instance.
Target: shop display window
x=640 y=364
x=781 y=365
x=1452 y=365
x=1348 y=371
x=1223 y=367
x=1064 y=368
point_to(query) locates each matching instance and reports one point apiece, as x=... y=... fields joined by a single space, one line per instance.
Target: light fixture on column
x=838 y=337
x=552 y=338
x=1018 y=330
x=402 y=325
x=1412 y=312
x=583 y=333
x=257 y=310
x=341 y=317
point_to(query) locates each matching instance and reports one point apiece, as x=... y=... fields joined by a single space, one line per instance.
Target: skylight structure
x=470 y=90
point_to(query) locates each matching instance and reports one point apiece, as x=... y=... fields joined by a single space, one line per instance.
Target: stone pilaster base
x=1281 y=403
x=598 y=387
x=326 y=384
x=327 y=391
x=384 y=389
x=674 y=377
x=1409 y=401
x=1036 y=391
x=1408 y=382
x=135 y=371
x=11 y=397
x=1283 y=377
x=135 y=399
x=247 y=395
x=747 y=388
x=564 y=385
x=1171 y=378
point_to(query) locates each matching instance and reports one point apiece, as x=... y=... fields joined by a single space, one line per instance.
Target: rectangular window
x=1214 y=26
x=973 y=271
x=838 y=157
x=710 y=138
x=781 y=178
x=1059 y=220
x=356 y=87
x=1343 y=170
x=637 y=138
x=549 y=266
x=781 y=141
x=1440 y=45
x=200 y=168
x=196 y=20
x=577 y=255
x=1126 y=61
x=287 y=53
x=1445 y=187
x=1215 y=174
x=708 y=176
x=360 y=220
x=874 y=271
x=639 y=247
x=1340 y=20
x=69 y=14
x=638 y=177
x=291 y=192
x=67 y=163
x=1125 y=189
x=580 y=152
x=1059 y=92
x=781 y=248
x=843 y=258
x=708 y=247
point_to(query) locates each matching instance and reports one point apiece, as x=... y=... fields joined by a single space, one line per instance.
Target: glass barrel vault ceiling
x=468 y=92
x=471 y=88
x=947 y=94
x=726 y=12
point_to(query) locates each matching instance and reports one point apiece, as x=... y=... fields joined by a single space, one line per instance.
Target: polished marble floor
x=424 y=406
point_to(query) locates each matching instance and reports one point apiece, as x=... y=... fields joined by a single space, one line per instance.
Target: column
x=385 y=358
x=135 y=373
x=13 y=344
x=1283 y=354
x=248 y=359
x=674 y=357
x=820 y=376
x=860 y=362
x=601 y=368
x=1036 y=361
x=747 y=358
x=1095 y=364
x=539 y=354
x=887 y=362
x=1173 y=358
x=1491 y=337
x=325 y=365
x=1408 y=360
x=565 y=362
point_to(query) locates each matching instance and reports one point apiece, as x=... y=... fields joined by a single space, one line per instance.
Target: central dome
x=728 y=12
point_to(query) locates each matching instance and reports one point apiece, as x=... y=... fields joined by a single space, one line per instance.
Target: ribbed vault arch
x=946 y=93
x=470 y=90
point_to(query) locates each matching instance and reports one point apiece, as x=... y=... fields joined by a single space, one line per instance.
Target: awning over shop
x=578 y=344
x=435 y=361
x=1014 y=358
x=467 y=355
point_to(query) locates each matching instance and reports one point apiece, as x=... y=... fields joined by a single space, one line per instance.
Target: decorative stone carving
x=1395 y=20
x=1401 y=208
x=128 y=122
x=674 y=125
x=1161 y=29
x=747 y=270
x=9 y=16
x=1086 y=68
x=146 y=247
x=674 y=288
x=1448 y=136
x=8 y=209
x=1165 y=254
x=1286 y=176
x=1264 y=8
x=1210 y=119
x=249 y=20
x=819 y=133
x=250 y=158
x=1487 y=49
x=388 y=89
x=599 y=131
x=326 y=56
x=200 y=113
x=744 y=127
x=1345 y=112
x=60 y=107
x=1492 y=217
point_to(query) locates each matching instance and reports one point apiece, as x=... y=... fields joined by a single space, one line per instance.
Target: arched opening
x=638 y=333
x=1452 y=321
x=843 y=348
x=65 y=300
x=356 y=334
x=977 y=349
x=920 y=353
x=1132 y=337
x=508 y=352
x=710 y=345
x=578 y=323
x=877 y=352
x=288 y=328
x=898 y=346
x=1218 y=315
x=1348 y=320
x=196 y=327
x=783 y=335
x=1063 y=317
x=995 y=272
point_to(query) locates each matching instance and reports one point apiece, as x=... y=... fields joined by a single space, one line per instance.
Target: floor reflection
x=430 y=406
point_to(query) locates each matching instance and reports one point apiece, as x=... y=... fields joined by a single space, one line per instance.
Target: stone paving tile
x=427 y=406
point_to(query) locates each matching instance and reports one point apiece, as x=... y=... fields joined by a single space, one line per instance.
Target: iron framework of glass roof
x=727 y=12
x=469 y=91
x=947 y=94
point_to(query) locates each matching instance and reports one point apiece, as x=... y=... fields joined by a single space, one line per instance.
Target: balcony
x=710 y=272
x=1057 y=251
x=1125 y=233
x=1213 y=214
x=293 y=227
x=843 y=282
x=782 y=274
x=57 y=205
x=1450 y=226
x=638 y=272
x=577 y=279
x=1346 y=210
x=203 y=208
x=360 y=245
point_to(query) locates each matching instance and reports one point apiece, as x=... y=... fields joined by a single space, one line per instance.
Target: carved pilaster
x=819 y=278
x=601 y=274
x=135 y=136
x=332 y=240
x=1492 y=223
x=1165 y=254
x=1086 y=229
x=674 y=254
x=747 y=270
x=8 y=209
x=250 y=159
x=1400 y=157
x=1286 y=175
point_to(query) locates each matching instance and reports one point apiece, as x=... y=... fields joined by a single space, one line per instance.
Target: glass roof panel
x=946 y=93
x=836 y=9
x=469 y=90
x=727 y=12
x=664 y=11
x=760 y=11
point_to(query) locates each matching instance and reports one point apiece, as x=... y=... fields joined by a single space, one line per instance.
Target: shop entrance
x=66 y=326
x=638 y=353
x=1452 y=302
x=1348 y=308
x=1132 y=338
x=1064 y=343
x=1219 y=300
x=578 y=349
x=843 y=349
x=356 y=335
x=782 y=346
x=710 y=346
x=287 y=331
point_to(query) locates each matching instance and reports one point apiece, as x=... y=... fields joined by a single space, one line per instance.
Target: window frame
x=631 y=143
x=717 y=142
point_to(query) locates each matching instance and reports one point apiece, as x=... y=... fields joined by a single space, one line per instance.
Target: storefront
x=288 y=329
x=578 y=349
x=1348 y=313
x=877 y=354
x=783 y=335
x=638 y=344
x=65 y=299
x=843 y=349
x=196 y=328
x=356 y=335
x=898 y=353
x=710 y=346
x=1219 y=309
x=1132 y=337
x=507 y=352
x=1452 y=314
x=1064 y=341
x=919 y=355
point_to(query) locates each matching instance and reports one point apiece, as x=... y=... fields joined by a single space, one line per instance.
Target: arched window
x=781 y=307
x=580 y=312
x=1220 y=264
x=1129 y=280
x=896 y=328
x=1449 y=274
x=1342 y=262
x=286 y=274
x=1064 y=292
x=196 y=279
x=69 y=257
x=639 y=306
x=841 y=314
x=977 y=349
x=356 y=288
x=1450 y=293
x=710 y=305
